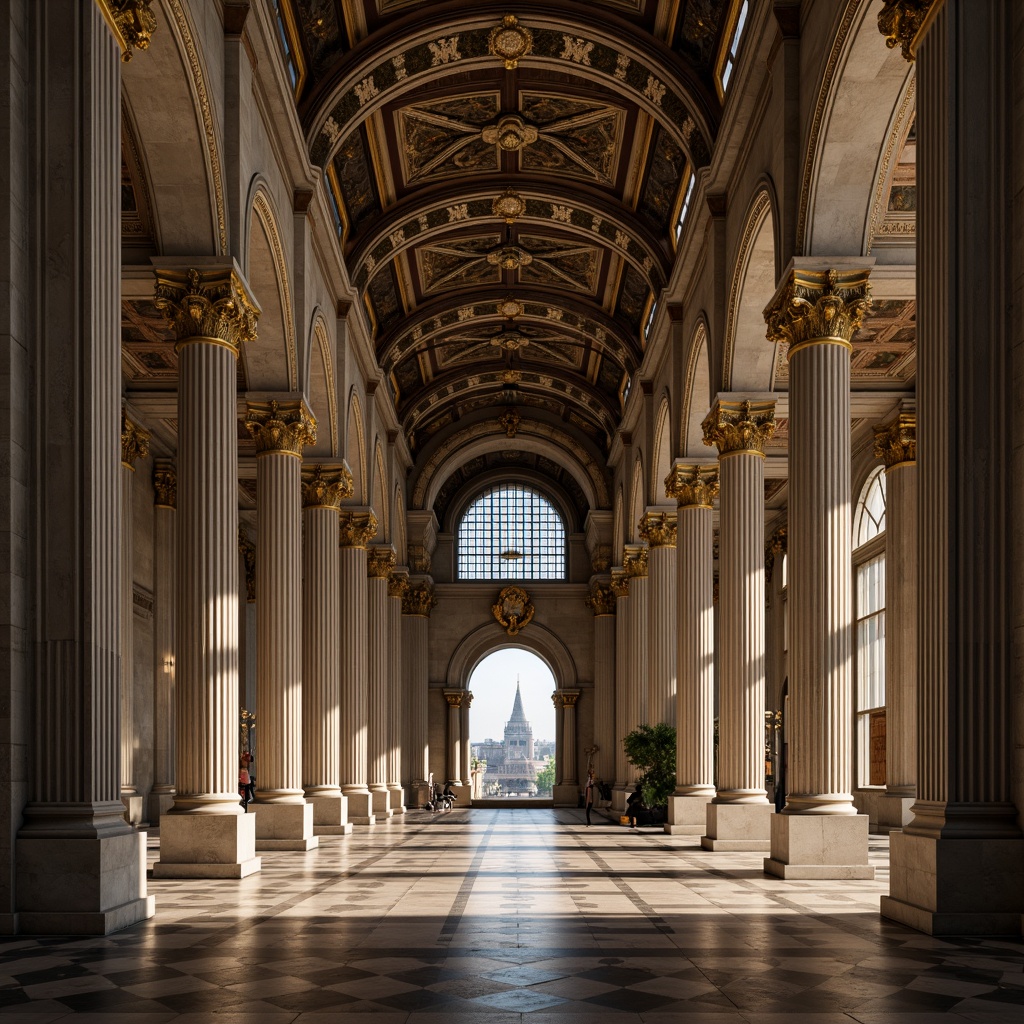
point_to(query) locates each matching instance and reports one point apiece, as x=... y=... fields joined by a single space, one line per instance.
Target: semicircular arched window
x=869 y=517
x=511 y=532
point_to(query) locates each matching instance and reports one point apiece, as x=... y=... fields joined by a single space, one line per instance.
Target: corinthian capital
x=692 y=486
x=398 y=585
x=739 y=426
x=901 y=20
x=326 y=490
x=132 y=22
x=419 y=599
x=165 y=484
x=210 y=304
x=455 y=698
x=134 y=442
x=380 y=562
x=634 y=560
x=282 y=427
x=356 y=527
x=620 y=583
x=659 y=529
x=896 y=443
x=601 y=599
x=812 y=306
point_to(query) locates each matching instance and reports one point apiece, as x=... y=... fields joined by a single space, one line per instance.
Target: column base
x=397 y=799
x=955 y=886
x=687 y=815
x=421 y=794
x=330 y=815
x=207 y=846
x=132 y=808
x=81 y=886
x=159 y=805
x=360 y=808
x=619 y=796
x=566 y=795
x=736 y=827
x=381 y=804
x=817 y=846
x=894 y=812
x=285 y=827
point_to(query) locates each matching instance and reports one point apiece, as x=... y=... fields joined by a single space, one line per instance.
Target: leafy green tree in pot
x=652 y=750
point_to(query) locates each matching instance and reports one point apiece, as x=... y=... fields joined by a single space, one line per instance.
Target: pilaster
x=398 y=585
x=465 y=758
x=165 y=486
x=454 y=699
x=601 y=601
x=417 y=603
x=566 y=793
x=635 y=562
x=658 y=529
x=380 y=562
x=620 y=588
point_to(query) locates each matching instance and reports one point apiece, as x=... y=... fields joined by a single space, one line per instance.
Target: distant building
x=512 y=763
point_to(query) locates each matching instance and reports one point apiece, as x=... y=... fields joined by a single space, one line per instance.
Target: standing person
x=634 y=805
x=588 y=794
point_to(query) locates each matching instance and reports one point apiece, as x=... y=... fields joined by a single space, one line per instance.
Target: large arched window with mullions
x=511 y=532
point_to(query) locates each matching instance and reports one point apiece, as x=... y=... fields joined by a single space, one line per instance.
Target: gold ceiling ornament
x=510 y=341
x=776 y=546
x=209 y=305
x=326 y=490
x=635 y=560
x=514 y=610
x=692 y=486
x=510 y=133
x=511 y=377
x=620 y=583
x=419 y=599
x=247 y=550
x=813 y=306
x=132 y=22
x=601 y=599
x=510 y=420
x=510 y=42
x=380 y=561
x=165 y=485
x=510 y=206
x=659 y=529
x=356 y=528
x=280 y=427
x=510 y=308
x=134 y=442
x=739 y=426
x=901 y=20
x=398 y=585
x=509 y=257
x=896 y=443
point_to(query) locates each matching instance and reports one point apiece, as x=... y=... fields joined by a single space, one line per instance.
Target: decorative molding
x=356 y=528
x=261 y=204
x=165 y=485
x=380 y=561
x=692 y=486
x=620 y=583
x=280 y=427
x=142 y=601
x=896 y=443
x=659 y=529
x=134 y=443
x=635 y=560
x=419 y=599
x=601 y=599
x=513 y=609
x=510 y=420
x=877 y=224
x=510 y=42
x=739 y=426
x=207 y=304
x=320 y=490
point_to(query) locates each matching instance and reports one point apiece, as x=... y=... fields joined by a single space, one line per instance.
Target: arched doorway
x=512 y=726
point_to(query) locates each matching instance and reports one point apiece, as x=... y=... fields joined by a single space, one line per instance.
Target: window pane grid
x=511 y=533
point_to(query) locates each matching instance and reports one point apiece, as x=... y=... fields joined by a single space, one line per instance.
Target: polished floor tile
x=504 y=915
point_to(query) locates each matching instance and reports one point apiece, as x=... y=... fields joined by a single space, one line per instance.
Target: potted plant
x=652 y=750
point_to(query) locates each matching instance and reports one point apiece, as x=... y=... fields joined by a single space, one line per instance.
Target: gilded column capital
x=165 y=485
x=380 y=561
x=692 y=486
x=356 y=527
x=896 y=443
x=634 y=560
x=132 y=22
x=467 y=698
x=659 y=529
x=134 y=443
x=281 y=428
x=419 y=599
x=569 y=698
x=776 y=546
x=211 y=305
x=247 y=550
x=398 y=585
x=900 y=21
x=620 y=583
x=326 y=490
x=739 y=426
x=556 y=699
x=601 y=599
x=454 y=698
x=814 y=307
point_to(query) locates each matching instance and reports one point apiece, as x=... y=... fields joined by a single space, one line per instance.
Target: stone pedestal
x=732 y=826
x=207 y=846
x=284 y=826
x=819 y=846
x=687 y=815
x=330 y=815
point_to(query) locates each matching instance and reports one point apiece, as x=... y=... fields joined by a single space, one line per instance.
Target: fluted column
x=738 y=816
x=398 y=585
x=322 y=494
x=620 y=588
x=356 y=527
x=636 y=565
x=417 y=603
x=695 y=488
x=380 y=562
x=570 y=773
x=601 y=601
x=453 y=769
x=206 y=834
x=896 y=445
x=556 y=700
x=465 y=754
x=815 y=313
x=284 y=821
x=134 y=446
x=165 y=485
x=659 y=530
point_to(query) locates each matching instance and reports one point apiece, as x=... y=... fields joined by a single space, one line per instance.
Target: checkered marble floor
x=496 y=916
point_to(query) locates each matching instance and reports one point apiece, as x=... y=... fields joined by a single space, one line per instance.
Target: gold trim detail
x=510 y=42
x=659 y=529
x=380 y=561
x=569 y=699
x=814 y=305
x=356 y=529
x=132 y=23
x=134 y=443
x=896 y=443
x=509 y=421
x=454 y=698
x=634 y=560
x=513 y=609
x=398 y=585
x=510 y=206
x=620 y=583
x=247 y=550
x=207 y=304
x=692 y=486
x=601 y=599
x=320 y=490
x=419 y=599
x=165 y=485
x=739 y=426
x=900 y=21
x=280 y=427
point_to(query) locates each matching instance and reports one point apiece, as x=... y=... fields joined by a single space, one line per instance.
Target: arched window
x=869 y=518
x=511 y=533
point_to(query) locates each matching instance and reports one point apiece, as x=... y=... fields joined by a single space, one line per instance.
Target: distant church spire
x=518 y=714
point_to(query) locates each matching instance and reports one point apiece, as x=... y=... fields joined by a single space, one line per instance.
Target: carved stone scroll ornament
x=513 y=610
